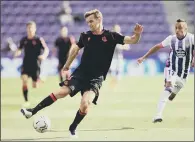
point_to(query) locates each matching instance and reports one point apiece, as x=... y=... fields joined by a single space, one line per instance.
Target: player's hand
x=17 y=53
x=66 y=73
x=140 y=60
x=138 y=29
x=41 y=57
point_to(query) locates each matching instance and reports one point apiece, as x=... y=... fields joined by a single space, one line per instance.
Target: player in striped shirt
x=181 y=59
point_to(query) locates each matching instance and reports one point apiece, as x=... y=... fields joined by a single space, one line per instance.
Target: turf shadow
x=101 y=129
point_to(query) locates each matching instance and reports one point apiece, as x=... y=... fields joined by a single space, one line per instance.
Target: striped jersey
x=181 y=54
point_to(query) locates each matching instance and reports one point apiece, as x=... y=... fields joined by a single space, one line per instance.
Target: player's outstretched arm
x=72 y=55
x=150 y=52
x=136 y=37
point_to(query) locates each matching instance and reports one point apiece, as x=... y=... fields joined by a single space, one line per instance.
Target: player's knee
x=84 y=106
x=169 y=89
x=177 y=87
x=24 y=81
x=168 y=84
x=63 y=92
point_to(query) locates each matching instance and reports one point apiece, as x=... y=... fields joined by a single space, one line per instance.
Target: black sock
x=44 y=103
x=25 y=92
x=78 y=118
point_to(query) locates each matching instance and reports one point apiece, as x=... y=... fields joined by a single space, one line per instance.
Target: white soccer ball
x=42 y=124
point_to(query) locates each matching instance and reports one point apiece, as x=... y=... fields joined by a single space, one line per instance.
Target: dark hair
x=181 y=20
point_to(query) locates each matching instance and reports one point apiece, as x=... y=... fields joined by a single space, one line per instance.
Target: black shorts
x=32 y=72
x=79 y=83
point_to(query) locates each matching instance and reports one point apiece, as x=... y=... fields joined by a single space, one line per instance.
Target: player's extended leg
x=83 y=110
x=162 y=102
x=61 y=93
x=169 y=94
x=24 y=78
x=165 y=94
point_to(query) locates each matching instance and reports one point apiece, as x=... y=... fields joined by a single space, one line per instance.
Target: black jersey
x=32 y=49
x=63 y=45
x=98 y=52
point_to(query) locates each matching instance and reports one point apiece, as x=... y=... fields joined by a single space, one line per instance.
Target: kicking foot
x=72 y=130
x=157 y=120
x=172 y=96
x=26 y=112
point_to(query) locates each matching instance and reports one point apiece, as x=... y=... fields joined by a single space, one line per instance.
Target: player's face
x=180 y=29
x=64 y=32
x=93 y=23
x=31 y=29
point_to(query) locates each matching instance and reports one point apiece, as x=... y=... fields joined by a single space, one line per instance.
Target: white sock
x=162 y=102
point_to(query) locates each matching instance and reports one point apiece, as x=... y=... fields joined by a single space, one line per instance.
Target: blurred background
x=157 y=17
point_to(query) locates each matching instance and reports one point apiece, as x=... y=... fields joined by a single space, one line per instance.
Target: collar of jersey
x=98 y=34
x=183 y=37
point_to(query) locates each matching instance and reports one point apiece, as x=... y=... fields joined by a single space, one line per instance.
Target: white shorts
x=176 y=81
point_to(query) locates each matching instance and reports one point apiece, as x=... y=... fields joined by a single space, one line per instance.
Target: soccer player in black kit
x=32 y=46
x=87 y=78
x=63 y=44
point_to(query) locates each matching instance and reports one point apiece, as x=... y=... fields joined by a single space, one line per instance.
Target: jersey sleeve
x=21 y=44
x=118 y=38
x=166 y=42
x=80 y=42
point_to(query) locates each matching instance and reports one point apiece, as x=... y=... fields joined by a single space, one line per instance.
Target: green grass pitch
x=124 y=112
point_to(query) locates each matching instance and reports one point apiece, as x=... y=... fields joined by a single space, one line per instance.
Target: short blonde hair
x=31 y=23
x=95 y=12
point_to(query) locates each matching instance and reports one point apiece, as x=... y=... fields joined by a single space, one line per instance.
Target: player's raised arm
x=155 y=48
x=136 y=37
x=150 y=52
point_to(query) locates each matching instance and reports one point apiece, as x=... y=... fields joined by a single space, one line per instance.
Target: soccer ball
x=41 y=124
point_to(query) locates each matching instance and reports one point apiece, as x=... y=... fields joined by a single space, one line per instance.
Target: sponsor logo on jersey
x=180 y=53
x=34 y=42
x=104 y=39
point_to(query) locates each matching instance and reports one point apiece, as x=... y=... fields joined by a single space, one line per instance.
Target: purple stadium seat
x=125 y=13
